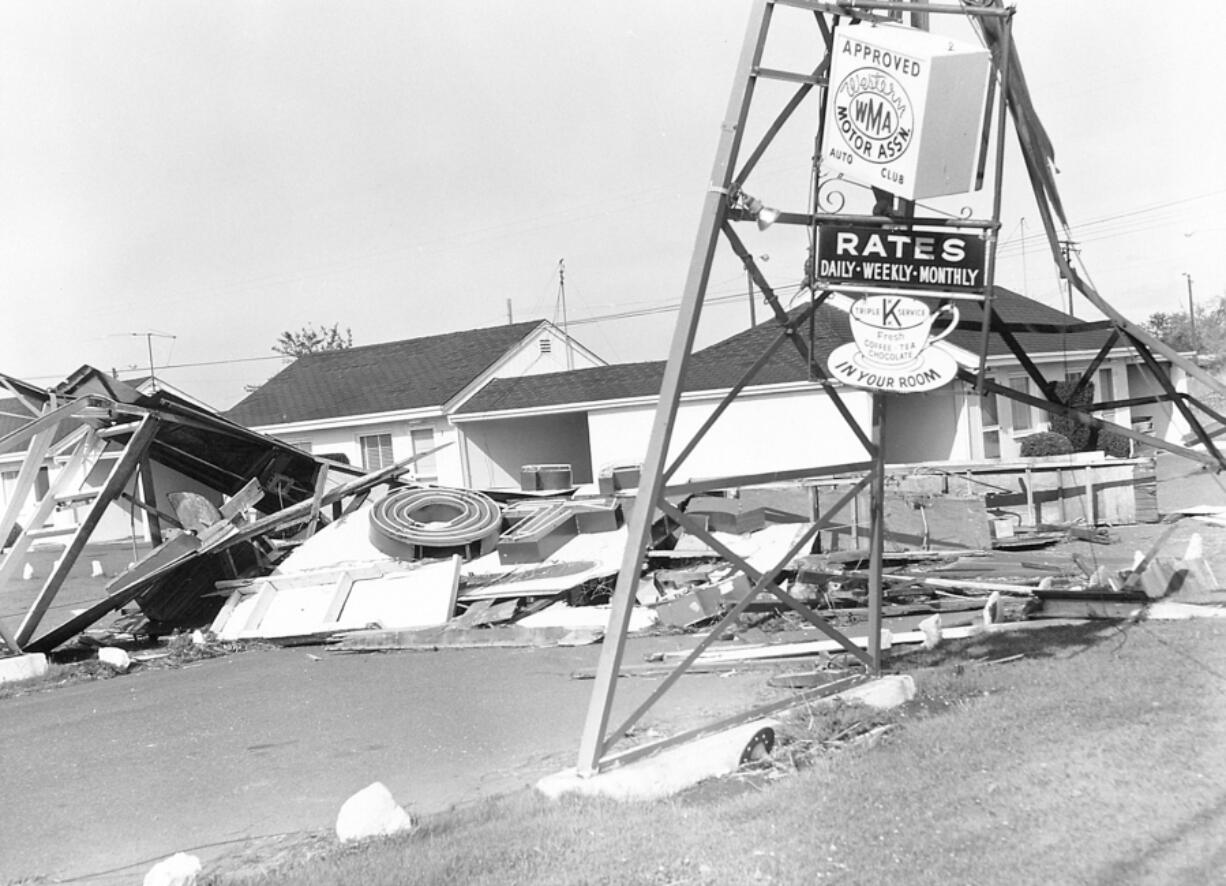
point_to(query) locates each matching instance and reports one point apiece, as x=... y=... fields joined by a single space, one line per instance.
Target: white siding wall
x=928 y=426
x=346 y=441
x=498 y=449
x=1169 y=423
x=756 y=434
x=530 y=360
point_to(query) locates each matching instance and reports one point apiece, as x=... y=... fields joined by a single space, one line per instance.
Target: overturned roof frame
x=106 y=417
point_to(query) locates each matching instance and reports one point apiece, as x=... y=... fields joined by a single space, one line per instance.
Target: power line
x=668 y=307
x=1107 y=226
x=175 y=366
x=1102 y=228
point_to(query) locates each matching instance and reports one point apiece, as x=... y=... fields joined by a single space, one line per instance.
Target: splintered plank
x=446 y=637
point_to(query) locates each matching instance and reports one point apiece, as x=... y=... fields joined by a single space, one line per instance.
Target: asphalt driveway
x=99 y=780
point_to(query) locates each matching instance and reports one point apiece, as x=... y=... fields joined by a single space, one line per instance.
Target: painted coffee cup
x=892 y=331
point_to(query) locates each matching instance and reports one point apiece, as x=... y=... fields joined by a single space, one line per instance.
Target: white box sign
x=904 y=110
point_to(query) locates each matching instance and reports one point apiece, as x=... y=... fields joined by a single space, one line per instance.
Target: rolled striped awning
x=416 y=523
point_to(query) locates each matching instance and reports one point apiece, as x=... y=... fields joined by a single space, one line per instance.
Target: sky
x=191 y=179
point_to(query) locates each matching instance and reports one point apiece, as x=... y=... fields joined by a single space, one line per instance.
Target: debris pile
x=256 y=540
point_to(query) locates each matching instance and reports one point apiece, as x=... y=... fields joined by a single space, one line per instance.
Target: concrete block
x=734 y=590
x=690 y=608
x=647 y=594
x=371 y=812
x=670 y=771
x=615 y=478
x=597 y=515
x=727 y=515
x=96 y=570
x=180 y=869
x=23 y=667
x=545 y=478
x=676 y=768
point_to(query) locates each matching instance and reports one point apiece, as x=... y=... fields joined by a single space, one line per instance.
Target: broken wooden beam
x=445 y=637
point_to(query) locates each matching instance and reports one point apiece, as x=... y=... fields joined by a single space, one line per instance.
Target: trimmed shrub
x=1045 y=443
x=1080 y=436
x=1116 y=445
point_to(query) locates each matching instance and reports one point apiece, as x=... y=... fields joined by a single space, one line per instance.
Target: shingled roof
x=13 y=415
x=1015 y=308
x=714 y=368
x=411 y=374
x=722 y=365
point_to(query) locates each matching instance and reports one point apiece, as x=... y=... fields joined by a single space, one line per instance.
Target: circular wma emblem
x=874 y=115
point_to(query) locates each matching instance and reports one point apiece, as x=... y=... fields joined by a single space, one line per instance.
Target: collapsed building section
x=99 y=444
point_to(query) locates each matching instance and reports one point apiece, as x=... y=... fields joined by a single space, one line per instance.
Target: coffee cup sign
x=892 y=331
x=891 y=347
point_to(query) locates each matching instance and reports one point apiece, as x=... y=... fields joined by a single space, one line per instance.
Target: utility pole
x=753 y=320
x=1191 y=315
x=1022 y=241
x=510 y=316
x=148 y=336
x=1068 y=248
x=570 y=361
x=753 y=317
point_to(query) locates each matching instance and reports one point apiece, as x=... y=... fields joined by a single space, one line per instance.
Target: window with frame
x=376 y=451
x=1020 y=412
x=423 y=441
x=989 y=413
x=1106 y=386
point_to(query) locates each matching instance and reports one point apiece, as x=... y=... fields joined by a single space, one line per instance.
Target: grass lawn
x=1096 y=758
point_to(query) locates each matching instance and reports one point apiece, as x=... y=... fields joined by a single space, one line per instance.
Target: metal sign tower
x=871 y=113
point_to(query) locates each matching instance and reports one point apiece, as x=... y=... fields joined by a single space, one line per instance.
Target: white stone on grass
x=23 y=667
x=115 y=657
x=180 y=869
x=28 y=572
x=371 y=812
x=882 y=693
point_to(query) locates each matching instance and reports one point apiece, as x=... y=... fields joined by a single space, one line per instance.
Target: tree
x=1174 y=329
x=1209 y=336
x=314 y=340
